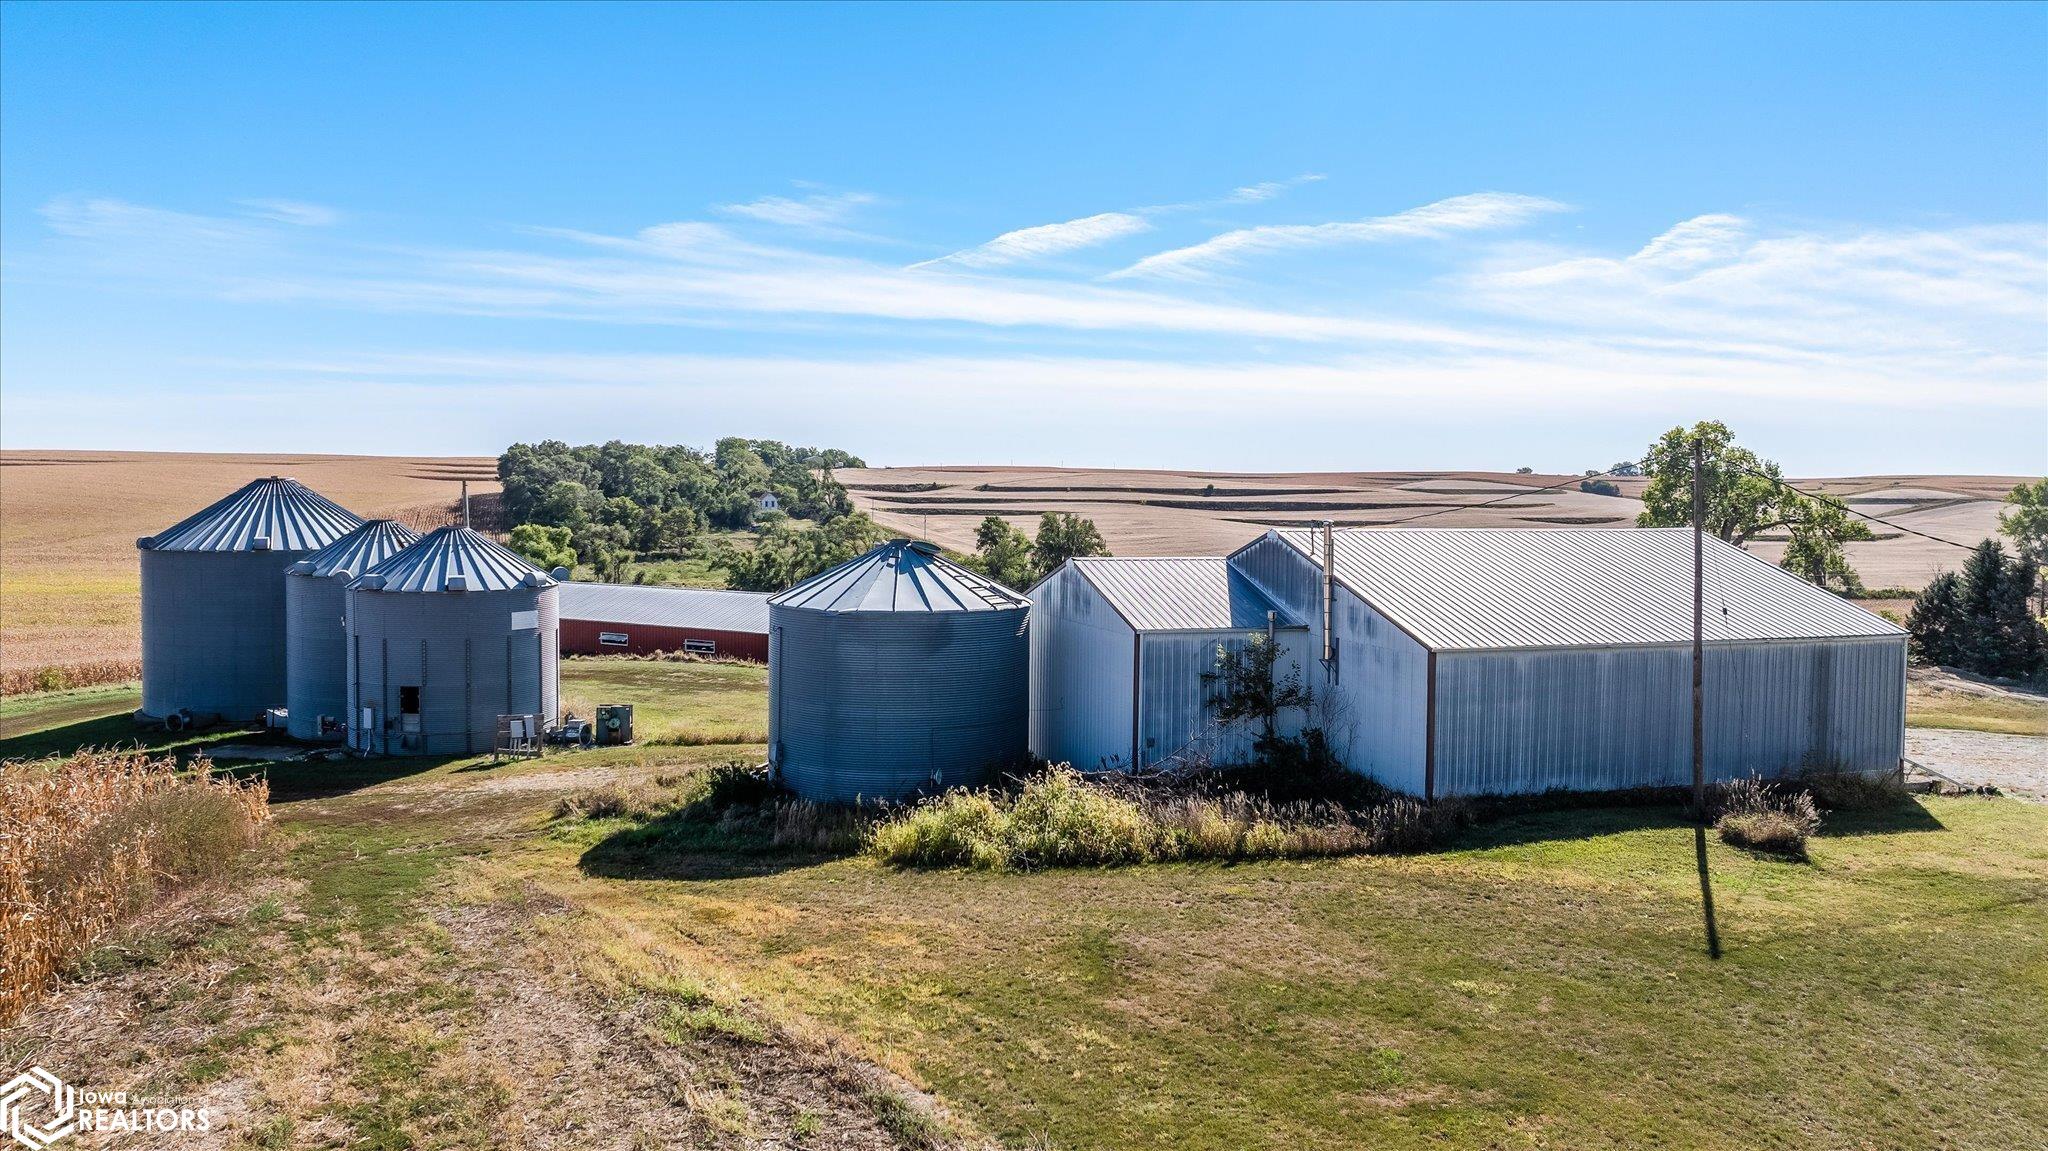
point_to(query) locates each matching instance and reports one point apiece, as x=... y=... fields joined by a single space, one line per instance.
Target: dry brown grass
x=69 y=521
x=89 y=841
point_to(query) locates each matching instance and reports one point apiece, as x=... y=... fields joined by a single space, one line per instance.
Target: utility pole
x=1699 y=739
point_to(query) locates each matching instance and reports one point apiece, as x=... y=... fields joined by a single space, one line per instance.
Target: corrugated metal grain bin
x=894 y=674
x=443 y=638
x=213 y=626
x=315 y=633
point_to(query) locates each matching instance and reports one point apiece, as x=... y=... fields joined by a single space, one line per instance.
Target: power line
x=1835 y=503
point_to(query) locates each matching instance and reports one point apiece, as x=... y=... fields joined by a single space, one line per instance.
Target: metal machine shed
x=893 y=674
x=213 y=614
x=1502 y=660
x=443 y=638
x=1119 y=651
x=635 y=619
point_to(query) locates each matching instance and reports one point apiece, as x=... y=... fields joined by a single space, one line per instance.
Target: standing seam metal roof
x=358 y=551
x=900 y=576
x=288 y=515
x=1195 y=593
x=445 y=554
x=708 y=609
x=1493 y=588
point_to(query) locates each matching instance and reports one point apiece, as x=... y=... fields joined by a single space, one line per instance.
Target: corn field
x=60 y=677
x=90 y=841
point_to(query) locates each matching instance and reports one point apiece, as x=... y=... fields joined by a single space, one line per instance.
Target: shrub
x=1754 y=815
x=91 y=840
x=960 y=827
x=1058 y=820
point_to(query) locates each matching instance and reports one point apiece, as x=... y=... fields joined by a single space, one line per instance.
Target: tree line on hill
x=604 y=505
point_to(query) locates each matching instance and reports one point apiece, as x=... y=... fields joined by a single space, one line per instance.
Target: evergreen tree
x=1978 y=619
x=1937 y=623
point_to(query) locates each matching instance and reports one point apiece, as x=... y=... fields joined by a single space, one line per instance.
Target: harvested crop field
x=1212 y=513
x=69 y=522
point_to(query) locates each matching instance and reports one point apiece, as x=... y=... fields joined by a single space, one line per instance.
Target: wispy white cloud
x=1044 y=240
x=1268 y=189
x=1047 y=240
x=293 y=212
x=1477 y=212
x=818 y=212
x=1715 y=305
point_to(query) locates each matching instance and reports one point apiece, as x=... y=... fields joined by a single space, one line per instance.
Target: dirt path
x=2015 y=764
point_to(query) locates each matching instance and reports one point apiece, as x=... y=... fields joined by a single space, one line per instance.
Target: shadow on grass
x=119 y=733
x=685 y=845
x=1905 y=815
x=1562 y=817
x=1507 y=826
x=293 y=782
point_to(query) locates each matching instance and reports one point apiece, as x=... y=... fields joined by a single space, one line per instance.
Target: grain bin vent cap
x=273 y=514
x=900 y=576
x=453 y=559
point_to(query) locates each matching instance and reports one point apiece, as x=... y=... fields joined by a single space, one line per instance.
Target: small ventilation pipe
x=1329 y=588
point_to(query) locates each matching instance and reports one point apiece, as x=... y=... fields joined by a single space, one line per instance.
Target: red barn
x=598 y=618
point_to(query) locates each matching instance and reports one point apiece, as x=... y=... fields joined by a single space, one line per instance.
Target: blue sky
x=1231 y=238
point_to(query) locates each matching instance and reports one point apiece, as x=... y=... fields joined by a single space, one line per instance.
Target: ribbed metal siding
x=1175 y=716
x=1083 y=657
x=461 y=650
x=1607 y=718
x=316 y=652
x=883 y=705
x=1376 y=698
x=213 y=632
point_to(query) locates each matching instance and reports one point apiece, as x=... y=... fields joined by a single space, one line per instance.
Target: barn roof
x=681 y=607
x=1186 y=593
x=272 y=514
x=453 y=559
x=359 y=550
x=900 y=576
x=1492 y=588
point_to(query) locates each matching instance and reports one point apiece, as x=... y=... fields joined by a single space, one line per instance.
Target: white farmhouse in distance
x=767 y=502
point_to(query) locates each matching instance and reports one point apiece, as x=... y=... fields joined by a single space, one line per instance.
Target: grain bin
x=443 y=638
x=315 y=634
x=213 y=599
x=894 y=674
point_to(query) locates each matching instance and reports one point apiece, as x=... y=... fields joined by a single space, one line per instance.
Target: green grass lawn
x=1543 y=983
x=680 y=701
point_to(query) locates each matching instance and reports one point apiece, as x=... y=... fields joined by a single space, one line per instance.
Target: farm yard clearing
x=420 y=930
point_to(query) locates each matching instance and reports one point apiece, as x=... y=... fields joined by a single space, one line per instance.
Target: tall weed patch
x=90 y=841
x=1061 y=818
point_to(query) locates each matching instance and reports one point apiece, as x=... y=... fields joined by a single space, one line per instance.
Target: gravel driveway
x=2014 y=764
